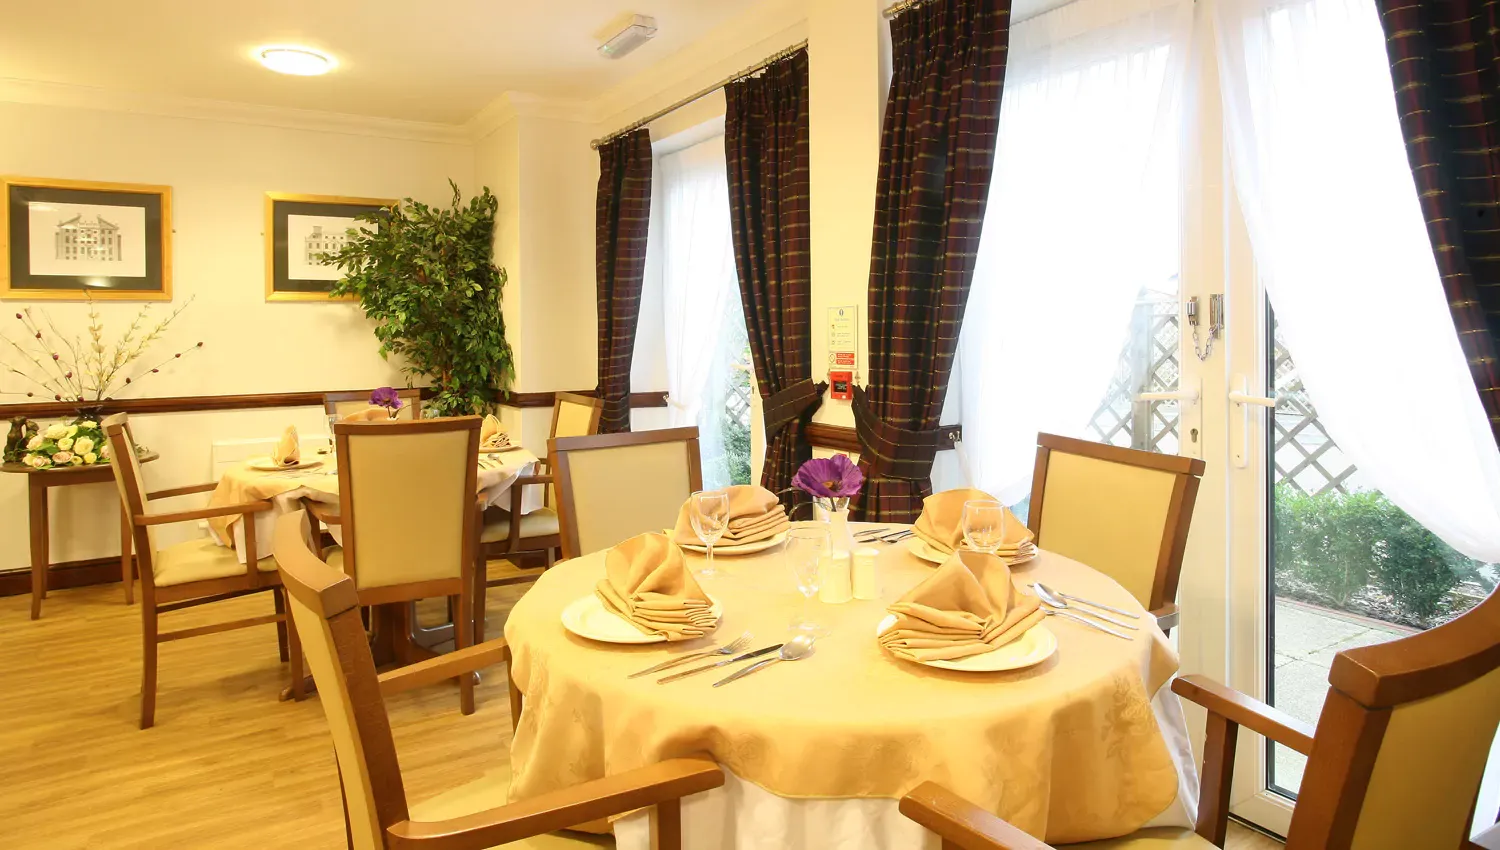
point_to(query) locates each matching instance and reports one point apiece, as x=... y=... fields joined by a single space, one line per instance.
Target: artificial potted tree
x=427 y=278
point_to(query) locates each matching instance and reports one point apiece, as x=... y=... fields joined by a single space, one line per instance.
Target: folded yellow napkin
x=754 y=514
x=369 y=414
x=491 y=435
x=288 y=450
x=941 y=524
x=969 y=606
x=648 y=584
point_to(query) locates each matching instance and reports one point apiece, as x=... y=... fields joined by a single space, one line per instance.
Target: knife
x=675 y=676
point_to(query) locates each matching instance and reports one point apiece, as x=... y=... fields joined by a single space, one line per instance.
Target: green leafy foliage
x=1334 y=547
x=737 y=433
x=425 y=275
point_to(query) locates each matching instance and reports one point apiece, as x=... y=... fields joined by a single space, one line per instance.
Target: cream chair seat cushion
x=541 y=522
x=488 y=792
x=197 y=560
x=1160 y=838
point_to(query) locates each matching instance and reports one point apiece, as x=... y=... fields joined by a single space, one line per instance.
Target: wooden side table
x=39 y=481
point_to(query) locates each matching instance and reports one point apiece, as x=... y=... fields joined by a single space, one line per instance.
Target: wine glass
x=710 y=518
x=806 y=547
x=984 y=525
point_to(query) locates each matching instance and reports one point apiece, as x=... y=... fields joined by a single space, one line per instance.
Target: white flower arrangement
x=79 y=444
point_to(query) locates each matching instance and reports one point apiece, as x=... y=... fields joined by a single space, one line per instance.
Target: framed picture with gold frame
x=68 y=240
x=301 y=232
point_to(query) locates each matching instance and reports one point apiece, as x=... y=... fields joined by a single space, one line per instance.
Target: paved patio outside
x=1307 y=638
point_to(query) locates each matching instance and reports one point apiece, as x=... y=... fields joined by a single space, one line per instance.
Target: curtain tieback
x=791 y=403
x=890 y=452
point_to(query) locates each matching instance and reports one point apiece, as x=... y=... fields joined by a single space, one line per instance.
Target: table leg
x=37 y=496
x=125 y=552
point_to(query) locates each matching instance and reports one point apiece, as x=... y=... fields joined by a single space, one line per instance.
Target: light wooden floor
x=226 y=766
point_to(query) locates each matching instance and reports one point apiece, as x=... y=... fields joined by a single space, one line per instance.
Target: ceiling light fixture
x=638 y=32
x=298 y=61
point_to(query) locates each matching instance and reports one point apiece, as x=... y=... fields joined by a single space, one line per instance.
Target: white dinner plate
x=265 y=464
x=739 y=549
x=587 y=617
x=1034 y=647
x=924 y=550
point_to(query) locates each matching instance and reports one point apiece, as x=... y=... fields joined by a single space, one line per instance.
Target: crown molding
x=86 y=97
x=511 y=105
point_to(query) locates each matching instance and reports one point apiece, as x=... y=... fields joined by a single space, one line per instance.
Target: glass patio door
x=1294 y=555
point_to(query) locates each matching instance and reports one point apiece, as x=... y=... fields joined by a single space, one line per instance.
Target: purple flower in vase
x=388 y=398
x=834 y=477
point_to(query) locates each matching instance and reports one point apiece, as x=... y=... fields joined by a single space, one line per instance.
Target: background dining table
x=1087 y=744
x=287 y=488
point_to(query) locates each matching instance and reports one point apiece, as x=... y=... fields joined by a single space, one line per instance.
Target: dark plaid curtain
x=766 y=149
x=1445 y=63
x=936 y=154
x=622 y=210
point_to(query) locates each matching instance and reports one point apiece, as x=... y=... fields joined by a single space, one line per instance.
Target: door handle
x=1186 y=392
x=1241 y=397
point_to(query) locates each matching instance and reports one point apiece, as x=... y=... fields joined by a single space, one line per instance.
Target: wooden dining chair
x=406 y=511
x=1121 y=511
x=1394 y=763
x=611 y=487
x=342 y=404
x=325 y=607
x=191 y=573
x=573 y=415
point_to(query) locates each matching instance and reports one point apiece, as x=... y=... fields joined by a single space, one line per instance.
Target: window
x=707 y=354
x=1073 y=309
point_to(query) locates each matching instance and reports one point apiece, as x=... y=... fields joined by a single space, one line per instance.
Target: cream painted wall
x=219 y=171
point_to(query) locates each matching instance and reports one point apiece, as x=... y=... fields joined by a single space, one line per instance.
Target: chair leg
x=666 y=825
x=481 y=585
x=148 y=663
x=282 y=640
x=463 y=636
x=549 y=558
x=294 y=649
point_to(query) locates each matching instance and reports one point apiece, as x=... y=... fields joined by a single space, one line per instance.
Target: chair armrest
x=532 y=479
x=961 y=823
x=324 y=513
x=446 y=666
x=1246 y=711
x=182 y=491
x=202 y=513
x=1167 y=616
x=662 y=782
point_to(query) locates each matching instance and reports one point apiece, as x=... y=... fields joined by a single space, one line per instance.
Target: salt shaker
x=836 y=578
x=865 y=585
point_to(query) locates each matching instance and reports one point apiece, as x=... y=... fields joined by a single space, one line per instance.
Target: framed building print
x=301 y=232
x=71 y=240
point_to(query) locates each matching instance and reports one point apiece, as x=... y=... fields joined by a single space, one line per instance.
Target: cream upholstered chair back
x=342 y=404
x=131 y=486
x=1403 y=739
x=1123 y=512
x=612 y=487
x=576 y=415
x=325 y=608
x=406 y=493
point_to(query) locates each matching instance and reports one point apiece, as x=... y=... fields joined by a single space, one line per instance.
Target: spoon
x=1046 y=595
x=800 y=646
x=1092 y=604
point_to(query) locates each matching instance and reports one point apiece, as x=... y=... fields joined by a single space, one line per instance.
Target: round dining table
x=1086 y=744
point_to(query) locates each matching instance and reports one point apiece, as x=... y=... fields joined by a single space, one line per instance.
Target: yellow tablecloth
x=1069 y=749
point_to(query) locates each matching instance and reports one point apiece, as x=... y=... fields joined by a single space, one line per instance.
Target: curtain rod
x=758 y=66
x=895 y=9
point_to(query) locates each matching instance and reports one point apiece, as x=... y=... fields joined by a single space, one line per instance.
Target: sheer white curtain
x=1340 y=244
x=1083 y=212
x=700 y=292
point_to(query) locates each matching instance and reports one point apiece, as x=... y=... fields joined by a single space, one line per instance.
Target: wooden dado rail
x=103 y=570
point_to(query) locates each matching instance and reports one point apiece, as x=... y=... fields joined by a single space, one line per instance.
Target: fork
x=730 y=648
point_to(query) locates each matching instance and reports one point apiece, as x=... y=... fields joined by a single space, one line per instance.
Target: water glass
x=807 y=545
x=984 y=525
x=710 y=518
